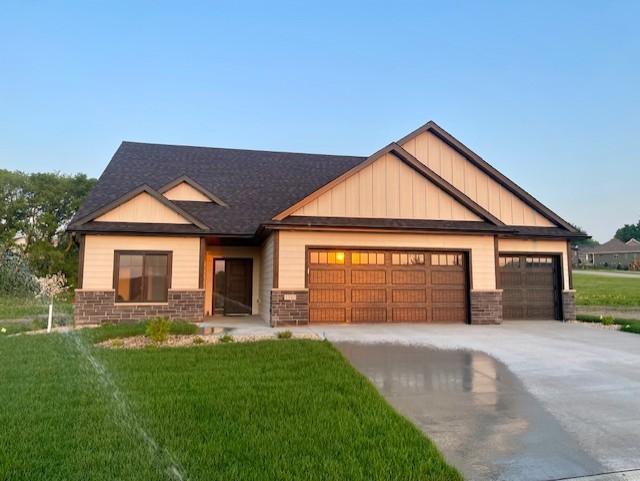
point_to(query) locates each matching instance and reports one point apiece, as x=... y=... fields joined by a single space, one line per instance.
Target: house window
x=142 y=276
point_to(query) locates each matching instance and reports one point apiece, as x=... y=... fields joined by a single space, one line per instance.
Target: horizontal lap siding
x=292 y=251
x=541 y=246
x=99 y=254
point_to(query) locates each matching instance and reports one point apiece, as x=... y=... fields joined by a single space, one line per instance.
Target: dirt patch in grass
x=141 y=342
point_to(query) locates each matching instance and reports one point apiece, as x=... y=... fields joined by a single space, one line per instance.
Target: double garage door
x=350 y=286
x=531 y=286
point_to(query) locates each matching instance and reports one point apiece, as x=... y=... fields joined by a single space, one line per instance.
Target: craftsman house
x=423 y=230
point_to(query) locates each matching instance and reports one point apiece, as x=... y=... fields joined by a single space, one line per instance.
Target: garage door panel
x=369 y=314
x=408 y=277
x=371 y=296
x=329 y=295
x=410 y=314
x=369 y=285
x=408 y=295
x=447 y=277
x=327 y=314
x=325 y=276
x=454 y=295
x=368 y=277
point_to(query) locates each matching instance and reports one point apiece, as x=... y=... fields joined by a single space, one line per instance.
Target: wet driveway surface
x=523 y=401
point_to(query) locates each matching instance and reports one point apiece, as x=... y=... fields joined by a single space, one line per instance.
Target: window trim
x=143 y=253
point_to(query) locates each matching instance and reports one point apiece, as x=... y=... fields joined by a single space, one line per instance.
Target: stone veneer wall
x=569 y=305
x=95 y=307
x=289 y=307
x=486 y=307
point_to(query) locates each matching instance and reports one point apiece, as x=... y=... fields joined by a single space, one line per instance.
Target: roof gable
x=465 y=169
x=141 y=205
x=186 y=189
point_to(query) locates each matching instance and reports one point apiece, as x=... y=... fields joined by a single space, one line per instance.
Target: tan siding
x=184 y=191
x=217 y=252
x=387 y=189
x=549 y=246
x=143 y=208
x=99 y=254
x=266 y=278
x=292 y=251
x=457 y=170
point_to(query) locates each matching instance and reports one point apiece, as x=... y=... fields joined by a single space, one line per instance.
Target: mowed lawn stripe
x=603 y=290
x=269 y=410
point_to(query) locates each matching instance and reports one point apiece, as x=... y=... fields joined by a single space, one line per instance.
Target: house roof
x=255 y=185
x=613 y=246
x=252 y=188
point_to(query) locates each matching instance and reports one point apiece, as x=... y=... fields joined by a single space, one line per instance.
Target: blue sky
x=547 y=92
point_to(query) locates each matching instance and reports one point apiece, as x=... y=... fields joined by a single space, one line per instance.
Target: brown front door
x=367 y=285
x=232 y=286
x=530 y=285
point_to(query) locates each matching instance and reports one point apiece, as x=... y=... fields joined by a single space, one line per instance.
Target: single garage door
x=531 y=286
x=386 y=286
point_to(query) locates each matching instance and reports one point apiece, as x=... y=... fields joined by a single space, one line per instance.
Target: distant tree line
x=628 y=231
x=34 y=211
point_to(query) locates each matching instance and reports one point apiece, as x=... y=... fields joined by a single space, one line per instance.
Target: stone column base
x=569 y=305
x=289 y=307
x=96 y=307
x=486 y=307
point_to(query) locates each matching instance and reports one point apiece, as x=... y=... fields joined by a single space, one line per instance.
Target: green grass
x=628 y=325
x=259 y=411
x=12 y=308
x=594 y=290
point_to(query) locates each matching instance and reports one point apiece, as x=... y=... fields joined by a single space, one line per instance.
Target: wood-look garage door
x=531 y=286
x=386 y=286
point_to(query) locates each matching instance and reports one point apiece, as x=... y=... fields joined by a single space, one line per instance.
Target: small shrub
x=117 y=343
x=226 y=338
x=607 y=320
x=198 y=340
x=284 y=335
x=158 y=330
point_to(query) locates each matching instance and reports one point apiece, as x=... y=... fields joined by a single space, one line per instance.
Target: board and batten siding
x=143 y=208
x=266 y=278
x=388 y=188
x=184 y=191
x=292 y=249
x=231 y=252
x=99 y=258
x=466 y=177
x=539 y=246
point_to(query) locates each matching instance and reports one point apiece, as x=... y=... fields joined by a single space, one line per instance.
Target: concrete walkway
x=522 y=401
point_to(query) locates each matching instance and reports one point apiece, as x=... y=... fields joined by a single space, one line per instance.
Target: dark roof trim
x=492 y=172
x=458 y=195
x=188 y=180
x=130 y=195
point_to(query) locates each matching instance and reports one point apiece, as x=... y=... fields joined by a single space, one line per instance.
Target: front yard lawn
x=286 y=410
x=12 y=308
x=595 y=290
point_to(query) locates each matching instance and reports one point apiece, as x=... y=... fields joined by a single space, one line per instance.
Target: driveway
x=522 y=401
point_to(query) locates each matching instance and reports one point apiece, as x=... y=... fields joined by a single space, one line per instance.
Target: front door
x=232 y=286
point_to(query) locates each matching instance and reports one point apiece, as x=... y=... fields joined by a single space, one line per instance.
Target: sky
x=547 y=92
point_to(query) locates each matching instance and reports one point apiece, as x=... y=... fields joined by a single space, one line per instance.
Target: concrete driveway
x=522 y=401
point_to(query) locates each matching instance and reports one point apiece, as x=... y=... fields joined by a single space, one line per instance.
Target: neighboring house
x=423 y=230
x=613 y=254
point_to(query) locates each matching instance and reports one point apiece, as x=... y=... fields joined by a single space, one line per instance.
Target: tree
x=40 y=206
x=628 y=231
x=583 y=242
